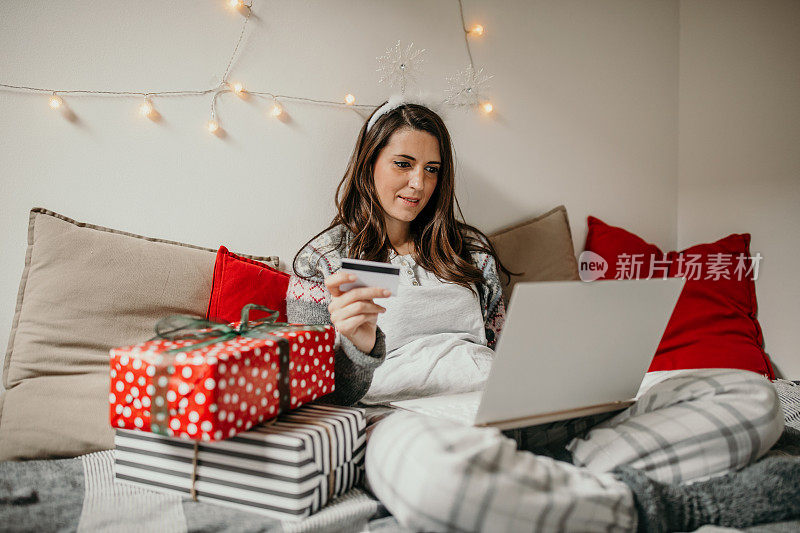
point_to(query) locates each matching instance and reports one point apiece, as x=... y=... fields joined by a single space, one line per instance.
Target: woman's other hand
x=353 y=313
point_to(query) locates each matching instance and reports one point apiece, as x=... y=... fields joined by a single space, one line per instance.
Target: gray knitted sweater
x=307 y=303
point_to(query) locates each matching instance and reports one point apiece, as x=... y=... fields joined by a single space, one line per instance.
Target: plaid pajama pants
x=435 y=475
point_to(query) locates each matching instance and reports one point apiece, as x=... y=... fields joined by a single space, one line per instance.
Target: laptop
x=567 y=349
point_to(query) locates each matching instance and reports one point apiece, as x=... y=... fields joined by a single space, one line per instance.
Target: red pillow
x=239 y=281
x=714 y=323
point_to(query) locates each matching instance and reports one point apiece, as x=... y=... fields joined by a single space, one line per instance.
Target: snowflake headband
x=399 y=66
x=397 y=100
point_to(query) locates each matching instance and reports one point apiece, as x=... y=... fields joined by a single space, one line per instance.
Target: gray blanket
x=80 y=495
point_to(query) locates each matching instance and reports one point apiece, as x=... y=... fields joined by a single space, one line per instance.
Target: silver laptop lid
x=570 y=344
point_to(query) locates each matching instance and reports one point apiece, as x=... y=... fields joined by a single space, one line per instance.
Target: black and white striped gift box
x=288 y=469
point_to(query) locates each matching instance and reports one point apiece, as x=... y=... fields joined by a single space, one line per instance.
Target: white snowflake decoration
x=399 y=66
x=466 y=87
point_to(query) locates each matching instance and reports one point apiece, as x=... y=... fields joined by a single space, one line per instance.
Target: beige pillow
x=540 y=247
x=84 y=290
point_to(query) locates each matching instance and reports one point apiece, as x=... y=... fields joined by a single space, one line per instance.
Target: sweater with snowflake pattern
x=307 y=303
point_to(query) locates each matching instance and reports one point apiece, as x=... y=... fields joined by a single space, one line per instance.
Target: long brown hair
x=442 y=244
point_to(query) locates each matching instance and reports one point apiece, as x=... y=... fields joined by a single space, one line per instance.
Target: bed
x=79 y=494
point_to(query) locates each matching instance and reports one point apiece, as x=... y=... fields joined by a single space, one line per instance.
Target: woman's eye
x=406 y=164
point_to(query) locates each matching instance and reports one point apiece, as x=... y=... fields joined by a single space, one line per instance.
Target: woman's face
x=407 y=167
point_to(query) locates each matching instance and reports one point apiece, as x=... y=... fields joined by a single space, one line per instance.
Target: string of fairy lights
x=398 y=67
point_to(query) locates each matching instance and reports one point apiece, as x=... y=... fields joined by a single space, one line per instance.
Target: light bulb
x=146 y=108
x=349 y=99
x=487 y=107
x=238 y=88
x=235 y=3
x=276 y=110
x=55 y=101
x=477 y=29
x=212 y=125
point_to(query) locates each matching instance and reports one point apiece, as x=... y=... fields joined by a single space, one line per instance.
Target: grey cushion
x=84 y=290
x=540 y=247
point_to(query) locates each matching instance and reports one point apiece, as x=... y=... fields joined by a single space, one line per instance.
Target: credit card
x=371 y=274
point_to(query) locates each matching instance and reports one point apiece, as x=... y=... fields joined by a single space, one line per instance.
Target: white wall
x=585 y=93
x=739 y=156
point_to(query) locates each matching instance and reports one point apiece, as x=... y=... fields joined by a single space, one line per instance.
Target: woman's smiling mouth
x=409 y=201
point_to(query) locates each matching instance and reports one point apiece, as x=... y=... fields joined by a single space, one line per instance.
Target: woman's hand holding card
x=353 y=313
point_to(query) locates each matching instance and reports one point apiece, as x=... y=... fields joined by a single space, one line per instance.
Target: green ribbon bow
x=190 y=327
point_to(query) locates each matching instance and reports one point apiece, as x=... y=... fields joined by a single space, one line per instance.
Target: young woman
x=395 y=203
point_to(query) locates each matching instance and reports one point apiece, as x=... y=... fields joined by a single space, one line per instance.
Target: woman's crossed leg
x=435 y=475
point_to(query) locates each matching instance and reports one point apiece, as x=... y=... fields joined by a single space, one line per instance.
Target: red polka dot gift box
x=208 y=381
